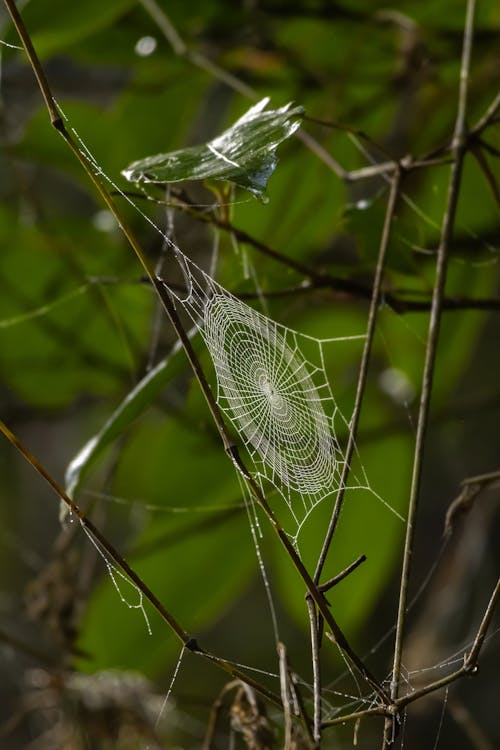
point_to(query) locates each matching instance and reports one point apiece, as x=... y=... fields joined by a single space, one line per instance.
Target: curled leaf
x=245 y=154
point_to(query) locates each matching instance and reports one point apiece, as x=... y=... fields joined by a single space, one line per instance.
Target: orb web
x=267 y=389
x=273 y=387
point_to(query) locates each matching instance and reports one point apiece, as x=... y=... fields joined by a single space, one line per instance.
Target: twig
x=214 y=714
x=316 y=668
x=462 y=504
x=344 y=718
x=188 y=641
x=327 y=585
x=469 y=666
x=316 y=627
x=363 y=372
x=318 y=277
x=485 y=168
x=299 y=700
x=459 y=146
x=292 y=701
x=285 y=695
x=315 y=279
x=488 y=116
x=196 y=58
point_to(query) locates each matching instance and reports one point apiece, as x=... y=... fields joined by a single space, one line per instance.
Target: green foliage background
x=79 y=332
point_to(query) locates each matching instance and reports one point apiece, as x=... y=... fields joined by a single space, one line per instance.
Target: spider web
x=271 y=383
x=273 y=387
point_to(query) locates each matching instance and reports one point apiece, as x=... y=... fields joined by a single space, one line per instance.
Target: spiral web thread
x=278 y=399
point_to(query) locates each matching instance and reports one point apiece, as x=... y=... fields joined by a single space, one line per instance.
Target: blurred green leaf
x=66 y=23
x=134 y=403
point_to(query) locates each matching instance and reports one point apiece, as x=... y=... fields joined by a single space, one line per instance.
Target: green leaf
x=132 y=405
x=243 y=154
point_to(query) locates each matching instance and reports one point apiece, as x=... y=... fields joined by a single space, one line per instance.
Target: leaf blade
x=244 y=154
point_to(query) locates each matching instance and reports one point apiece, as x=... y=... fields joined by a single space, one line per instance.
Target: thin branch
x=485 y=168
x=363 y=373
x=459 y=146
x=344 y=718
x=353 y=131
x=461 y=505
x=337 y=634
x=469 y=666
x=318 y=277
x=316 y=668
x=188 y=641
x=299 y=700
x=55 y=116
x=285 y=694
x=327 y=159
x=327 y=585
x=488 y=117
x=315 y=280
x=471 y=661
x=181 y=49
x=488 y=146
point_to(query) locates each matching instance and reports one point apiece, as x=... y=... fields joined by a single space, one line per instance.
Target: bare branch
x=363 y=373
x=459 y=146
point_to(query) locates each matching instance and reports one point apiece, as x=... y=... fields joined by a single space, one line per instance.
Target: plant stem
x=316 y=669
x=363 y=372
x=459 y=147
